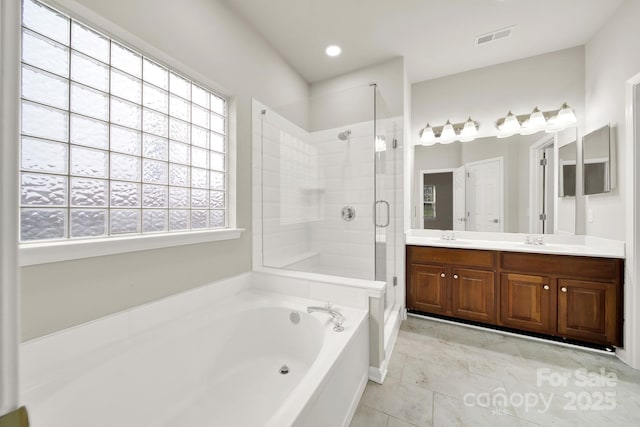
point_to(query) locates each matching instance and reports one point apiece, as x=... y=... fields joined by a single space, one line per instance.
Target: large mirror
x=519 y=184
x=598 y=163
x=567 y=170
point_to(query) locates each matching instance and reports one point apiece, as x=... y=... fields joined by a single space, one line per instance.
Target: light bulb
x=469 y=131
x=427 y=136
x=510 y=125
x=536 y=122
x=566 y=116
x=537 y=119
x=448 y=134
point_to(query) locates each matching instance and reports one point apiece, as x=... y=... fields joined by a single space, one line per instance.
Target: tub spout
x=336 y=316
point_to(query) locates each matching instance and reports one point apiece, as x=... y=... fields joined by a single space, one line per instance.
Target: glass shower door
x=387 y=174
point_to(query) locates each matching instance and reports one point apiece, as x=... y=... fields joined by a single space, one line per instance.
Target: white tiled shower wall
x=306 y=180
x=346 y=172
x=282 y=156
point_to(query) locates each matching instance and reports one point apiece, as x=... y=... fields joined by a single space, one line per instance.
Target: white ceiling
x=436 y=37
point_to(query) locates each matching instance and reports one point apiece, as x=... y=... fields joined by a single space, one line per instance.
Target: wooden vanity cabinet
x=571 y=297
x=584 y=295
x=452 y=282
x=588 y=311
x=526 y=302
x=473 y=294
x=429 y=291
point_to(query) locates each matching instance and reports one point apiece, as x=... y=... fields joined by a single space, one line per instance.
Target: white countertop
x=514 y=242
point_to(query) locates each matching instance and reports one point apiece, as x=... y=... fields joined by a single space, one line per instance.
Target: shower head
x=344 y=136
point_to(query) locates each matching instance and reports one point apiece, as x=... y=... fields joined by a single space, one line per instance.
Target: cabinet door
x=526 y=302
x=588 y=311
x=427 y=289
x=473 y=295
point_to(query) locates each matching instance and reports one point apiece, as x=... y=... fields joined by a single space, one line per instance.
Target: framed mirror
x=510 y=185
x=598 y=162
x=567 y=169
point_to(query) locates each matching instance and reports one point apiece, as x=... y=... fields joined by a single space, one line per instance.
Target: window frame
x=46 y=251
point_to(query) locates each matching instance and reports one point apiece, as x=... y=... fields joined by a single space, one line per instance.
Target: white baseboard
x=378 y=374
x=395 y=330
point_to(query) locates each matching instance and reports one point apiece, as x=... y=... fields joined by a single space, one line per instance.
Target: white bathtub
x=214 y=366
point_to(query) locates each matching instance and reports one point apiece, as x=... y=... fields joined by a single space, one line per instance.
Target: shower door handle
x=384 y=202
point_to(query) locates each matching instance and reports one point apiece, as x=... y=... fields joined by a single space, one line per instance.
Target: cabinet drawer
x=462 y=257
x=604 y=269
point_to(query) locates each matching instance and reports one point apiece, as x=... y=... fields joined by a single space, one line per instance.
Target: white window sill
x=46 y=252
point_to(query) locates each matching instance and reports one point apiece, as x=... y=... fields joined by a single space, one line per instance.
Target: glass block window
x=113 y=142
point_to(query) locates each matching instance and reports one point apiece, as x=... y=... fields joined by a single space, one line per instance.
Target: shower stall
x=329 y=190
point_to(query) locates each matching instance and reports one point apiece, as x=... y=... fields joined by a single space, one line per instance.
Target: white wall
x=486 y=94
x=202 y=37
x=611 y=57
x=348 y=99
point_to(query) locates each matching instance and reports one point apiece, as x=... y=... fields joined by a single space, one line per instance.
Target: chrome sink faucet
x=337 y=317
x=448 y=235
x=536 y=241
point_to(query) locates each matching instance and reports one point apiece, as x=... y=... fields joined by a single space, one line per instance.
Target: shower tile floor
x=448 y=375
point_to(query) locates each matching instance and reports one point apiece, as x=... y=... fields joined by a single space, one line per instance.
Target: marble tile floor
x=448 y=375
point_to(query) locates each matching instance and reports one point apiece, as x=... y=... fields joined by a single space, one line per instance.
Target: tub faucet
x=336 y=316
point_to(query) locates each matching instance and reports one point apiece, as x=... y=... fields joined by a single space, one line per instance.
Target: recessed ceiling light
x=333 y=50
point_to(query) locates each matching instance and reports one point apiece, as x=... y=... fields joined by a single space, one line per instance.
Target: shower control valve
x=348 y=213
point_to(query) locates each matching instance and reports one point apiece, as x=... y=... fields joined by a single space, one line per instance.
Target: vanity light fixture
x=527 y=124
x=449 y=132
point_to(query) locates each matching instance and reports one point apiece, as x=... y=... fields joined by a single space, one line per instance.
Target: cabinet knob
x=441 y=274
x=455 y=276
x=563 y=289
x=546 y=287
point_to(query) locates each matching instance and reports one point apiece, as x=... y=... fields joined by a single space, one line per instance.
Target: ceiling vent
x=493 y=36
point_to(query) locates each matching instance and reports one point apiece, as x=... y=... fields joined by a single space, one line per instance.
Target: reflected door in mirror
x=437 y=200
x=485 y=196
